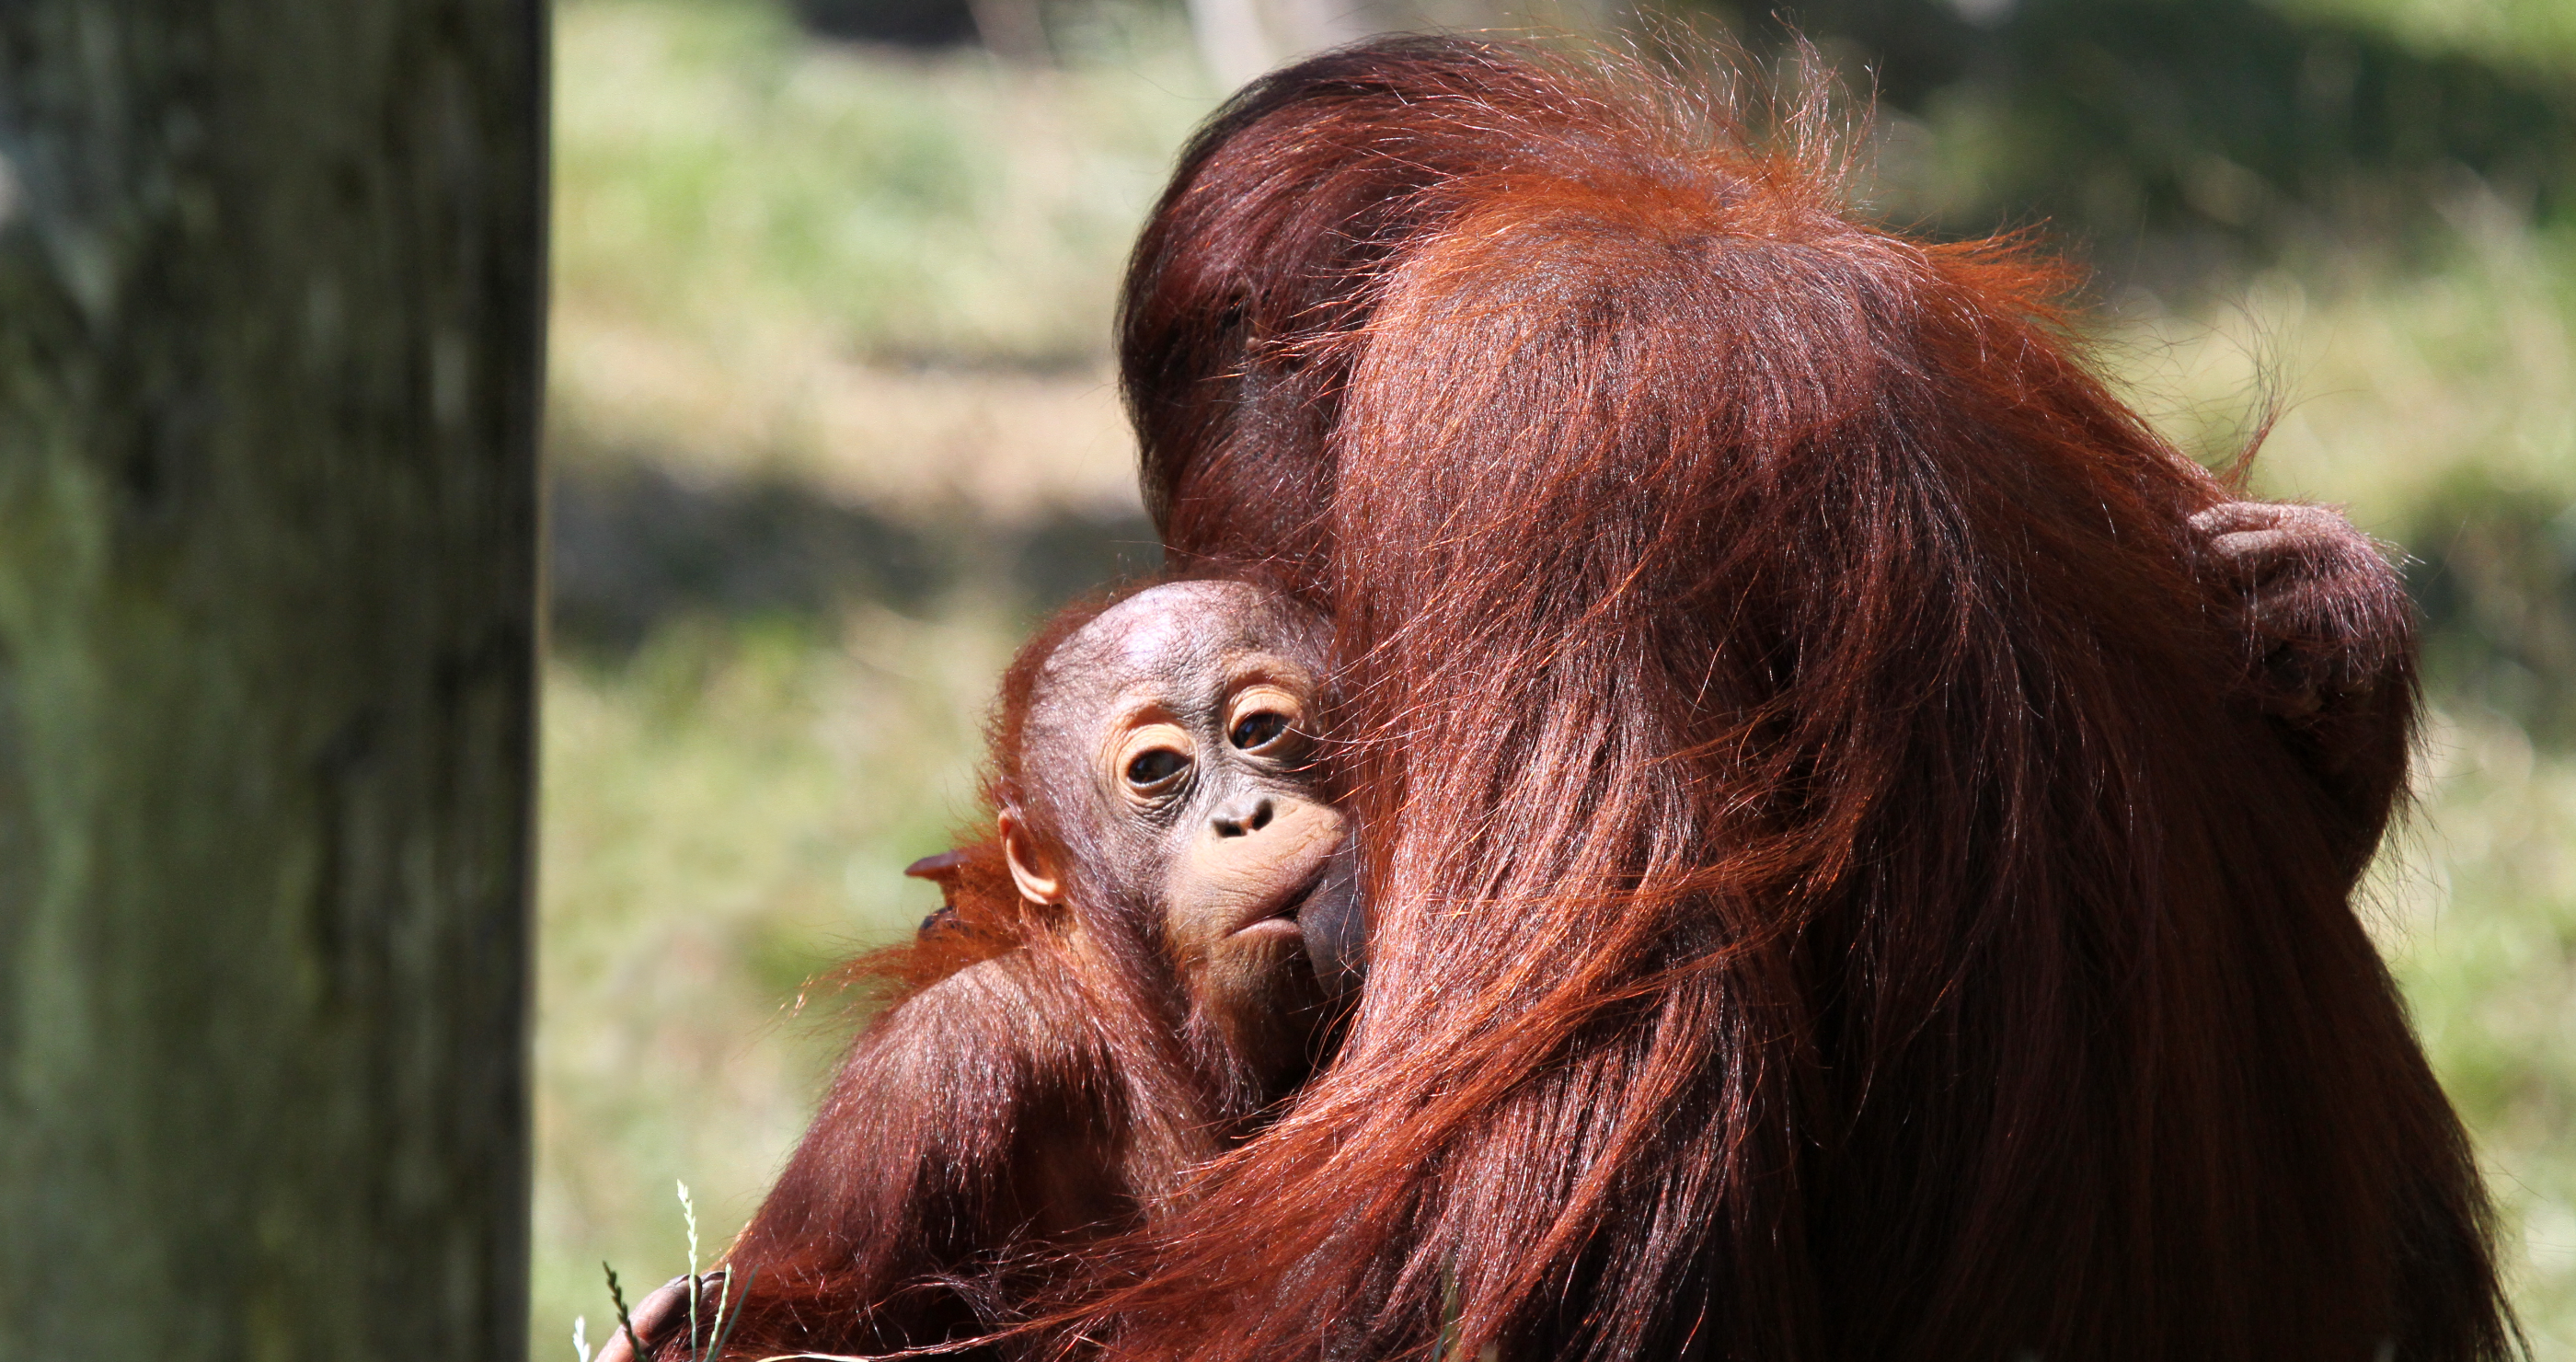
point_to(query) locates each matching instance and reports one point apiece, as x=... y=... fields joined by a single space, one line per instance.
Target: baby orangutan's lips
x=1280 y=918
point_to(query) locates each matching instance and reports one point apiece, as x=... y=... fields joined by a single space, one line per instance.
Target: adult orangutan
x=1119 y=985
x=1861 y=830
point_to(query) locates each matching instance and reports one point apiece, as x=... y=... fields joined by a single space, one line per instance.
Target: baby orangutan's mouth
x=1281 y=917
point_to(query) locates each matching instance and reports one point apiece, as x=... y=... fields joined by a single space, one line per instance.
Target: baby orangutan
x=1120 y=984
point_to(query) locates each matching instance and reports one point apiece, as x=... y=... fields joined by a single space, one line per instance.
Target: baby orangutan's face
x=1188 y=709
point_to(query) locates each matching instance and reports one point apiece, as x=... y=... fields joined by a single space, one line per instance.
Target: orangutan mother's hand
x=2322 y=618
x=2325 y=638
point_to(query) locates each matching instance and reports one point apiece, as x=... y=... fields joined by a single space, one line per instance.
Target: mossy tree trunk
x=271 y=281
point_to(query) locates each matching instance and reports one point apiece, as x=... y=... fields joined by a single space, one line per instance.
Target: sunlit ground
x=815 y=303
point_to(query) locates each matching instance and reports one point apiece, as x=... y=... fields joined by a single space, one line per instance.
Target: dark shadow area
x=2174 y=137
x=1068 y=553
x=904 y=23
x=633 y=546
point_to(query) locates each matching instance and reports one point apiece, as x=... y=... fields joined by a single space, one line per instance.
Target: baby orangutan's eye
x=1261 y=719
x=1151 y=762
x=1150 y=770
x=1258 y=730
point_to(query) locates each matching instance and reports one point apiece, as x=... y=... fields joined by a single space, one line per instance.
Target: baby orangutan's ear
x=1029 y=868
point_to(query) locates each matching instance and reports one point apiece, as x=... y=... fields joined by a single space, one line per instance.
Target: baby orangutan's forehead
x=1174 y=646
x=1183 y=630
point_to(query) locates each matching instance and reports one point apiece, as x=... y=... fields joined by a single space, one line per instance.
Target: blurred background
x=832 y=419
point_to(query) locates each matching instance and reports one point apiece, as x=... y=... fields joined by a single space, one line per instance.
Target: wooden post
x=271 y=291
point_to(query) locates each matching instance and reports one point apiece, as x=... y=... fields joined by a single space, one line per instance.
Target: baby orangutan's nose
x=1242 y=817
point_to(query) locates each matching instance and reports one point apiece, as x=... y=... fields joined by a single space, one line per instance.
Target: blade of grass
x=697 y=1284
x=617 y=1296
x=724 y=1327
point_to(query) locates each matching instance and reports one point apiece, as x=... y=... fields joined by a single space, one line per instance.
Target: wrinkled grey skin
x=1335 y=925
x=1170 y=740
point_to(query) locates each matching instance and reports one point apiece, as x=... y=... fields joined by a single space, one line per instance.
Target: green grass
x=2393 y=385
x=2528 y=34
x=2480 y=921
x=718 y=175
x=725 y=815
x=746 y=221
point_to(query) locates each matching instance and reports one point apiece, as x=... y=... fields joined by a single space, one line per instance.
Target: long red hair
x=1831 y=896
